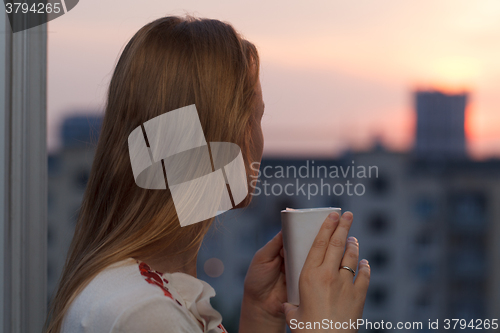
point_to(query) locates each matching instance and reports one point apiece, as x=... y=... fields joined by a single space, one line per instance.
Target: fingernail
x=364 y=261
x=333 y=216
x=348 y=216
x=352 y=239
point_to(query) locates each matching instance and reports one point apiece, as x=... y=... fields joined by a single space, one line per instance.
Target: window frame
x=23 y=178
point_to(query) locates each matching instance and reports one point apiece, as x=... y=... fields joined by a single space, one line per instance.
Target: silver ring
x=349 y=269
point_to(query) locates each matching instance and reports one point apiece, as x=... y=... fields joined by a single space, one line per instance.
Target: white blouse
x=130 y=297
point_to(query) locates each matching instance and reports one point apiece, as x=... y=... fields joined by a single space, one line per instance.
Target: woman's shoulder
x=154 y=315
x=130 y=297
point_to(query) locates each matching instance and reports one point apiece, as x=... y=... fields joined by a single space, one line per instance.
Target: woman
x=131 y=266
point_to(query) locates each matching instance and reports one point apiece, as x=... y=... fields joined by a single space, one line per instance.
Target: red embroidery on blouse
x=202 y=325
x=154 y=277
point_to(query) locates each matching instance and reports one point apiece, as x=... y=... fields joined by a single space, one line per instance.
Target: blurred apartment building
x=440 y=124
x=428 y=226
x=68 y=174
x=429 y=229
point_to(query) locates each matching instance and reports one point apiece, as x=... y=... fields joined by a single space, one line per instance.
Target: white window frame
x=23 y=178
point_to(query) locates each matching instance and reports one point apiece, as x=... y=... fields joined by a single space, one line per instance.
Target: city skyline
x=416 y=218
x=337 y=78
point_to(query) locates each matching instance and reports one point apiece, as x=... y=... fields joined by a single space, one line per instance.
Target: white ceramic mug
x=300 y=227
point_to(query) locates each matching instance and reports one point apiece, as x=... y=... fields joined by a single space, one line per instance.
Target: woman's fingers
x=363 y=277
x=317 y=252
x=350 y=258
x=337 y=241
x=271 y=250
x=289 y=310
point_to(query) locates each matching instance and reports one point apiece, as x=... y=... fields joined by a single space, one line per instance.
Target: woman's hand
x=326 y=290
x=265 y=291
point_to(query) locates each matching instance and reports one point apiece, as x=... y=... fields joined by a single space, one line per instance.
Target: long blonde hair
x=169 y=63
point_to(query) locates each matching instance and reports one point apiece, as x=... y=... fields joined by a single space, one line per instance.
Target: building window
x=468 y=263
x=425 y=271
x=378 y=223
x=468 y=212
x=380 y=184
x=379 y=259
x=425 y=208
x=81 y=178
x=378 y=295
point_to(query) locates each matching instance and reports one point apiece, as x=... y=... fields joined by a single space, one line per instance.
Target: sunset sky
x=335 y=74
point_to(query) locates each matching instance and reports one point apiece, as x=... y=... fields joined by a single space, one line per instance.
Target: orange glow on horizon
x=469 y=125
x=345 y=61
x=455 y=73
x=445 y=89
